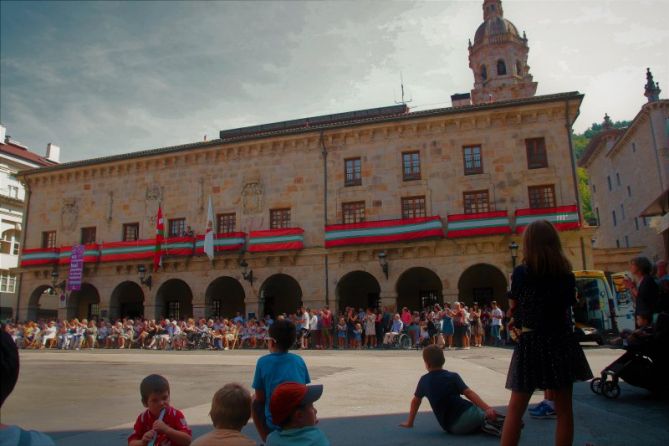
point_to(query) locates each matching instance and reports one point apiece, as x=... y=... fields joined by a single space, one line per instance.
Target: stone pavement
x=84 y=398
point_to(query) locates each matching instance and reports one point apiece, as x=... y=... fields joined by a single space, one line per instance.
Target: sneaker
x=491 y=428
x=537 y=406
x=544 y=411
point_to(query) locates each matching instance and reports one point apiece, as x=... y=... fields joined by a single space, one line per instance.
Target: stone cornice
x=411 y=125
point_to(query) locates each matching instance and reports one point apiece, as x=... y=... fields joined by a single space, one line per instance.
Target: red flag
x=160 y=235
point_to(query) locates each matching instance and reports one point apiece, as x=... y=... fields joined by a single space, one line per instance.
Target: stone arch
x=418 y=288
x=501 y=67
x=174 y=300
x=358 y=289
x=224 y=298
x=127 y=300
x=43 y=303
x=483 y=283
x=280 y=293
x=84 y=303
x=484 y=73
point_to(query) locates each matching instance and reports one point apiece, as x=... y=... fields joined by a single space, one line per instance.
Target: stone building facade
x=375 y=207
x=629 y=170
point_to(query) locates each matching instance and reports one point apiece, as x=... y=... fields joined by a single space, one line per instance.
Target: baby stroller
x=644 y=363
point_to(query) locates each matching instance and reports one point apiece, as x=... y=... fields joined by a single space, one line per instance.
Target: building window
x=176 y=227
x=279 y=218
x=130 y=232
x=627 y=242
x=622 y=212
x=633 y=147
x=542 y=196
x=7 y=283
x=617 y=243
x=476 y=201
x=411 y=166
x=636 y=223
x=353 y=212
x=473 y=160
x=49 y=239
x=216 y=308
x=353 y=172
x=615 y=220
x=13 y=191
x=608 y=180
x=597 y=213
x=93 y=311
x=501 y=68
x=225 y=223
x=88 y=235
x=484 y=73
x=594 y=189
x=617 y=178
x=413 y=207
x=174 y=310
x=536 y=153
x=629 y=191
x=15 y=248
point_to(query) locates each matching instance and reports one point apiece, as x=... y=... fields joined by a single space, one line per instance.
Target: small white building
x=14 y=157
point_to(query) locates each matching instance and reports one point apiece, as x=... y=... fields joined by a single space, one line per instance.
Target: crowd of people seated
x=446 y=325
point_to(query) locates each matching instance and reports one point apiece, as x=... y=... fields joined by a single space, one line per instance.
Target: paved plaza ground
x=92 y=398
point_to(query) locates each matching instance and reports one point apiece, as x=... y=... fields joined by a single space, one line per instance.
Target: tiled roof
x=315 y=128
x=21 y=152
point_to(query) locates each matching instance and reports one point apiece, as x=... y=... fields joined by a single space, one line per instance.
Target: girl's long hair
x=542 y=250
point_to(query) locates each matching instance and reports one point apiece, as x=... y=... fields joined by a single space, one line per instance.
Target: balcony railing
x=564 y=218
x=288 y=239
x=383 y=231
x=482 y=223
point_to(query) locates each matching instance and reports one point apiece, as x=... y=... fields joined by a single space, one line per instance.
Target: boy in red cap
x=292 y=408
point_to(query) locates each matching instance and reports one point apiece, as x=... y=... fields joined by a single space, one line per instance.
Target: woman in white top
x=49 y=333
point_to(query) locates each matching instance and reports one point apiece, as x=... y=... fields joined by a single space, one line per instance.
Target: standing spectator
x=370 y=329
x=496 y=323
x=547 y=355
x=341 y=333
x=277 y=367
x=326 y=327
x=477 y=325
x=304 y=327
x=406 y=316
x=447 y=328
x=314 y=329
x=644 y=289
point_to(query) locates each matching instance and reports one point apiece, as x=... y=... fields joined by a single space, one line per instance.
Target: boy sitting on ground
x=292 y=407
x=271 y=370
x=160 y=422
x=443 y=389
x=230 y=411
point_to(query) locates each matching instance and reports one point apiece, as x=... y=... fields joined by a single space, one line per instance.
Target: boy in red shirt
x=160 y=422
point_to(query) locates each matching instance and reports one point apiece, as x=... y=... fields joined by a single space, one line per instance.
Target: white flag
x=209 y=233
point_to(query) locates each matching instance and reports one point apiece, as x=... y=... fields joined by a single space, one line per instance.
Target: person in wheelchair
x=395 y=330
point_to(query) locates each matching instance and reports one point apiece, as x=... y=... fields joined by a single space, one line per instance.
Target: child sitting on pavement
x=160 y=422
x=292 y=407
x=277 y=367
x=443 y=389
x=230 y=411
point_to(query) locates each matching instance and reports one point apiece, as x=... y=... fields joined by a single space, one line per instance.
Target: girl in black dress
x=547 y=356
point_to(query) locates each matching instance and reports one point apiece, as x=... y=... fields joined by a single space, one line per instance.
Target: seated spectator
x=395 y=330
x=49 y=333
x=9 y=375
x=91 y=334
x=103 y=333
x=230 y=411
x=443 y=389
x=292 y=407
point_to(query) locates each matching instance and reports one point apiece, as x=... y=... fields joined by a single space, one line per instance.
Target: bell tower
x=498 y=59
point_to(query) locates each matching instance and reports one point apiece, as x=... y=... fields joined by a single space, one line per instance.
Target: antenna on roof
x=403 y=101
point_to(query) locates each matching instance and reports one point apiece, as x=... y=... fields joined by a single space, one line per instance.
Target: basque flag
x=160 y=236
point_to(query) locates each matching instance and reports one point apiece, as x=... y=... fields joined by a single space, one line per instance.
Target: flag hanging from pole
x=209 y=232
x=160 y=235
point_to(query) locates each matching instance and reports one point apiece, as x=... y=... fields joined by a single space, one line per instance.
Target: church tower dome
x=498 y=58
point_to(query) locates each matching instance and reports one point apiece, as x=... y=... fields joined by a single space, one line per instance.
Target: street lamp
x=383 y=261
x=513 y=247
x=54 y=282
x=247 y=273
x=148 y=281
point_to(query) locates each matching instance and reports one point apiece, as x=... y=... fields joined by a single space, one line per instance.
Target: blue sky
x=103 y=78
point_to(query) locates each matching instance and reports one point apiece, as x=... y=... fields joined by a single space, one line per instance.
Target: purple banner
x=76 y=268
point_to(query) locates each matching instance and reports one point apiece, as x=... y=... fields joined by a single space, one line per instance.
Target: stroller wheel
x=596 y=386
x=611 y=390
